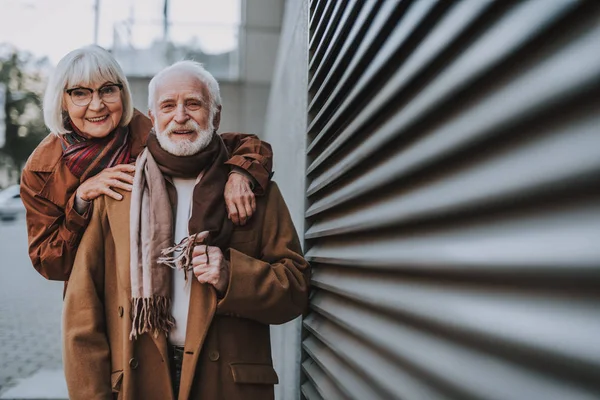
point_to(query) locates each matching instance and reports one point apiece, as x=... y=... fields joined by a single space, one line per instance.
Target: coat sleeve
x=86 y=352
x=274 y=289
x=252 y=155
x=53 y=232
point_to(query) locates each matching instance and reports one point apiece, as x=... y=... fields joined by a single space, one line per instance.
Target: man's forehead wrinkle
x=194 y=96
x=164 y=98
x=172 y=97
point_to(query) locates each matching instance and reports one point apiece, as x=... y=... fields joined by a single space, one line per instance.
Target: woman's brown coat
x=48 y=191
x=227 y=350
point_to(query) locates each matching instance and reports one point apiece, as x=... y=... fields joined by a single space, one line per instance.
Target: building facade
x=244 y=72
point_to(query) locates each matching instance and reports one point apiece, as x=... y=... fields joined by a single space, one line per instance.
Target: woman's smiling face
x=98 y=118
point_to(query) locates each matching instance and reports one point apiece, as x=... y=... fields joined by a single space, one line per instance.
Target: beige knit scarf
x=151 y=227
x=150 y=232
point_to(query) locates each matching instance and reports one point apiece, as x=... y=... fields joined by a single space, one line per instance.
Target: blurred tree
x=24 y=79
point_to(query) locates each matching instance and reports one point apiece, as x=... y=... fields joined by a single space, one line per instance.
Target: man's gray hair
x=86 y=66
x=196 y=69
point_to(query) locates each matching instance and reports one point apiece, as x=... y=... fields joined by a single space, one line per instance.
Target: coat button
x=120 y=311
x=213 y=355
x=133 y=363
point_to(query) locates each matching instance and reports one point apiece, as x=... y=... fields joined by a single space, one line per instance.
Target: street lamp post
x=96 y=20
x=166 y=20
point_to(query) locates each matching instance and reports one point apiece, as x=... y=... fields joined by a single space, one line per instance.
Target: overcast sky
x=54 y=27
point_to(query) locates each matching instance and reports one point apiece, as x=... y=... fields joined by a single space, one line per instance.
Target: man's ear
x=217 y=119
x=151 y=116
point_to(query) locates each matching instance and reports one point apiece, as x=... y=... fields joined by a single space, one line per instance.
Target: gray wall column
x=285 y=129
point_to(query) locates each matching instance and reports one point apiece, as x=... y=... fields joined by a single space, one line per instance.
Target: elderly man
x=133 y=328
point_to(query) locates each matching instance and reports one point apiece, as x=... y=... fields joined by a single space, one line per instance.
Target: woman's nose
x=96 y=103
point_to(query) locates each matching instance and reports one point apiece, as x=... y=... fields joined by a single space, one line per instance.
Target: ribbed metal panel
x=453 y=200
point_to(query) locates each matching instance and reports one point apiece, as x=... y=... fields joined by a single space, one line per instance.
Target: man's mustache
x=190 y=125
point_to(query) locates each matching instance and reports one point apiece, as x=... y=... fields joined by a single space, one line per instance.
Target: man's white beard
x=181 y=147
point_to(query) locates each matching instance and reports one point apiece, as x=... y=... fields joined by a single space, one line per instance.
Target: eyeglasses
x=81 y=96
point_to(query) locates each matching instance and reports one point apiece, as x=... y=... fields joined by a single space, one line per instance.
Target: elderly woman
x=96 y=134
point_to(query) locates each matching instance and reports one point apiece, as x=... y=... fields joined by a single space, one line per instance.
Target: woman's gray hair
x=85 y=66
x=199 y=72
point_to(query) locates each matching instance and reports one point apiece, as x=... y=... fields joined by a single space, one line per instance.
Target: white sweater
x=180 y=290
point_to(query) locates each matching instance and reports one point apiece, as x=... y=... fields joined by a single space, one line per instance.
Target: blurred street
x=30 y=312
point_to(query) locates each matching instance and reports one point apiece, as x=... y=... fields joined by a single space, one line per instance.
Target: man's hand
x=239 y=199
x=210 y=266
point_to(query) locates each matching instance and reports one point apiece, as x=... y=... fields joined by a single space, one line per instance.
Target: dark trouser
x=176 y=361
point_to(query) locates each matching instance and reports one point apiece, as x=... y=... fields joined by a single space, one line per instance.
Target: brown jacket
x=227 y=348
x=48 y=191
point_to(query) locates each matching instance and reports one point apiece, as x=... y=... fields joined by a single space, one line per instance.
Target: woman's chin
x=98 y=132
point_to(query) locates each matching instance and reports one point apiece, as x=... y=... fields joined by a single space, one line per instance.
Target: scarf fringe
x=151 y=315
x=183 y=261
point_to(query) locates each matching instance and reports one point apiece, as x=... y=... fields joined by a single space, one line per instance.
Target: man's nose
x=181 y=115
x=96 y=103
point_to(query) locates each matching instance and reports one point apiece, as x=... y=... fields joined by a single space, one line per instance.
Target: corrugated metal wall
x=453 y=200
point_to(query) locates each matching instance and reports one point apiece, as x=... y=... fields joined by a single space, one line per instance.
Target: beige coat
x=227 y=348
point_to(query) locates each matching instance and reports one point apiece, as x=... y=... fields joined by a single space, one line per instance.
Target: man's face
x=182 y=116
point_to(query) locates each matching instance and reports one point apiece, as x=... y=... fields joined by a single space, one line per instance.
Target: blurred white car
x=11 y=205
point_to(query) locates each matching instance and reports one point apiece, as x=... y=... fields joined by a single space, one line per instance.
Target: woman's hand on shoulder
x=239 y=198
x=117 y=177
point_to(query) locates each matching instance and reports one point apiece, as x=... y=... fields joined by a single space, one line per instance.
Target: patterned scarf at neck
x=88 y=157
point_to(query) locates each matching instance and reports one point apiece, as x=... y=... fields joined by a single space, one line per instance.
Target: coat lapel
x=118 y=214
x=139 y=127
x=161 y=343
x=202 y=307
x=203 y=303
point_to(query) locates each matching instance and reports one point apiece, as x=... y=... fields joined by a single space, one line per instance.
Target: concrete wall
x=259 y=39
x=285 y=129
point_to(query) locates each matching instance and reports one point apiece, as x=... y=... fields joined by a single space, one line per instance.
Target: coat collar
x=47 y=158
x=46 y=155
x=139 y=128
